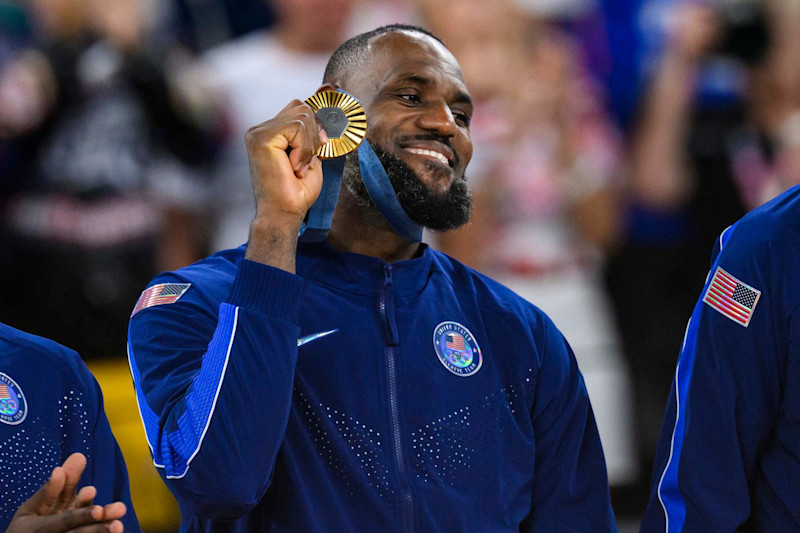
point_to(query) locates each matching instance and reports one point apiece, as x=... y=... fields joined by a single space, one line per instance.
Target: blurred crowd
x=614 y=140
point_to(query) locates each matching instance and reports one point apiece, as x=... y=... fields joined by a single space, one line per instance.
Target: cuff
x=270 y=290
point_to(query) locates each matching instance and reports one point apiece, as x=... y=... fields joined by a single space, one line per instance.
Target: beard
x=435 y=211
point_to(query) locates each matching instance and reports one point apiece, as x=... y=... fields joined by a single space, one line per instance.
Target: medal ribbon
x=380 y=191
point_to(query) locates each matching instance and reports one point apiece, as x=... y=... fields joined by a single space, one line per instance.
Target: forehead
x=397 y=55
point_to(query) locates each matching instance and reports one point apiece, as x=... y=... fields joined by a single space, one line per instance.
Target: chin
x=437 y=177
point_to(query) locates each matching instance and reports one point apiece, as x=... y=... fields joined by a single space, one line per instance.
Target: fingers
x=303 y=135
x=109 y=515
x=60 y=522
x=44 y=500
x=114 y=511
x=280 y=152
x=73 y=469
x=102 y=519
x=302 y=145
x=111 y=527
x=295 y=130
x=74 y=465
x=85 y=496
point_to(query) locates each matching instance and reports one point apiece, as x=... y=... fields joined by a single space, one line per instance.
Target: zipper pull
x=388 y=291
x=387 y=276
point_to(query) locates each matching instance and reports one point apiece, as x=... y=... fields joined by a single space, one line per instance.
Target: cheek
x=378 y=134
x=464 y=147
x=385 y=123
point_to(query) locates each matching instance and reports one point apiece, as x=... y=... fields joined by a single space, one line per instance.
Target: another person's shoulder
x=20 y=347
x=773 y=224
x=30 y=359
x=760 y=254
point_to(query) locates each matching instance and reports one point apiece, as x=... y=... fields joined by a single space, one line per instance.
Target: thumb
x=312 y=178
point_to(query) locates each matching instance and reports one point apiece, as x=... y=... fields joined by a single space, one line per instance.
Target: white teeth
x=430 y=153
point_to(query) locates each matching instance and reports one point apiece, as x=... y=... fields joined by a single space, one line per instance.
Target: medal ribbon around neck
x=345 y=124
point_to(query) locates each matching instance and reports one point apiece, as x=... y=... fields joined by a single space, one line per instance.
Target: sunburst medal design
x=343 y=119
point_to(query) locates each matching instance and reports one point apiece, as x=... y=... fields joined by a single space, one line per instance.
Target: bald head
x=351 y=55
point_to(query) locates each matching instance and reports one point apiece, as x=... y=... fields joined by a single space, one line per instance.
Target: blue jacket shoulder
x=777 y=221
x=492 y=295
x=21 y=349
x=211 y=276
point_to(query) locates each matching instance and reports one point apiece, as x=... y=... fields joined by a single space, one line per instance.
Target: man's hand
x=56 y=508
x=287 y=179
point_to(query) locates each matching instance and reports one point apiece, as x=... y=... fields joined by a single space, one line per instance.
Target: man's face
x=418 y=112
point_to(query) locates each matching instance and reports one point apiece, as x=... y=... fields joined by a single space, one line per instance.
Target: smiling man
x=364 y=383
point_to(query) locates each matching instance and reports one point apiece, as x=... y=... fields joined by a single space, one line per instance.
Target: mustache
x=431 y=137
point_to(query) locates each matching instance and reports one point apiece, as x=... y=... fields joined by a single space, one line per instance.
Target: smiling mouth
x=438 y=156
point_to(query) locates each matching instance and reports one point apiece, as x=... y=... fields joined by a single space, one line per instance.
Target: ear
x=326 y=87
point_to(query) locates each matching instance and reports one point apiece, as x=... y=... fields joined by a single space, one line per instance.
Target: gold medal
x=343 y=119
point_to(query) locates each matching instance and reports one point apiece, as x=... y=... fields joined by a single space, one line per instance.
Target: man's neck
x=363 y=230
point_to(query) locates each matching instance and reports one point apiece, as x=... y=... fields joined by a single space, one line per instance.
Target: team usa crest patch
x=731 y=297
x=13 y=405
x=163 y=293
x=457 y=349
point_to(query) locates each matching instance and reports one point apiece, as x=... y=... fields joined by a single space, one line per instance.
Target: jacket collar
x=361 y=274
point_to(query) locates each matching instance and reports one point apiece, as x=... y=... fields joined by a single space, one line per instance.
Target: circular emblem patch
x=13 y=406
x=457 y=349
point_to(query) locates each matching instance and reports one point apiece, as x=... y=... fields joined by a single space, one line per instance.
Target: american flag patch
x=4 y=395
x=454 y=341
x=163 y=293
x=731 y=297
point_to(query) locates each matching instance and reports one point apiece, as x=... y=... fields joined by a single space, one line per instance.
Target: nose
x=437 y=117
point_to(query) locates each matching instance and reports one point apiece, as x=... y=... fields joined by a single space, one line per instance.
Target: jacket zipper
x=387 y=310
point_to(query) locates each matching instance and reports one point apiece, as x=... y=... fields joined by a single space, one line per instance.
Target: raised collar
x=361 y=274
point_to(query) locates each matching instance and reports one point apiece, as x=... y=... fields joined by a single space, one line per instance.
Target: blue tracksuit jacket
x=50 y=407
x=361 y=396
x=729 y=455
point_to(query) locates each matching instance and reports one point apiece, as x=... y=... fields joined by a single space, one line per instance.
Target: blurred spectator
x=713 y=139
x=629 y=35
x=203 y=24
x=545 y=176
x=14 y=29
x=97 y=189
x=252 y=75
x=370 y=14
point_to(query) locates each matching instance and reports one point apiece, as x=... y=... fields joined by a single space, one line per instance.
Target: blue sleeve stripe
x=148 y=417
x=669 y=492
x=174 y=451
x=200 y=403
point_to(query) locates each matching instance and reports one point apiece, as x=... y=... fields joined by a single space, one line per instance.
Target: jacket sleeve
x=214 y=385
x=724 y=402
x=570 y=491
x=105 y=468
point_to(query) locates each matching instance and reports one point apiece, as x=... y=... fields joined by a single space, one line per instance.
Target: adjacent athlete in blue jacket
x=729 y=456
x=366 y=383
x=51 y=412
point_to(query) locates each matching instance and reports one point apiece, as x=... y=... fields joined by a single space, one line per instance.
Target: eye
x=461 y=117
x=411 y=98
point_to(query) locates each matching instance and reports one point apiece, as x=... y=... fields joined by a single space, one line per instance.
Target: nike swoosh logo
x=308 y=338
